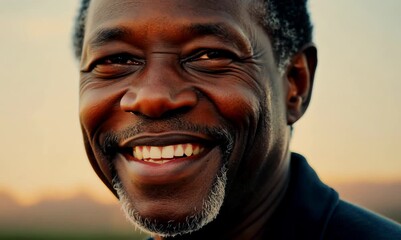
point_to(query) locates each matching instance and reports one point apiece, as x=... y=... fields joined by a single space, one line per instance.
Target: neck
x=259 y=212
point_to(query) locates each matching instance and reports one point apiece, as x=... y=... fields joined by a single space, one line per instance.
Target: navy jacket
x=313 y=211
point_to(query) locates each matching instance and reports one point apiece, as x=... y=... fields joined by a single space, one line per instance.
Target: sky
x=350 y=133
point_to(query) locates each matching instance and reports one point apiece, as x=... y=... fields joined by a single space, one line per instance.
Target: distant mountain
x=83 y=214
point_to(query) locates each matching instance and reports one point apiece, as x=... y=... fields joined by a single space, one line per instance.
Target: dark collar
x=306 y=207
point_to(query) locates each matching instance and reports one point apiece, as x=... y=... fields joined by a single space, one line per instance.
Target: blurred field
x=78 y=217
x=82 y=217
x=48 y=235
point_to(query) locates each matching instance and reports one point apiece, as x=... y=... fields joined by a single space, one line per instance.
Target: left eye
x=213 y=55
x=211 y=61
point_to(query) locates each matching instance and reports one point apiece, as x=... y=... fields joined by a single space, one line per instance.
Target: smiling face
x=182 y=105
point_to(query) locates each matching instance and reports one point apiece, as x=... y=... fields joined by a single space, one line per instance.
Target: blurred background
x=48 y=190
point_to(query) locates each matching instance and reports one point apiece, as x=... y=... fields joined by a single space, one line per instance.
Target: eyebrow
x=220 y=30
x=106 y=35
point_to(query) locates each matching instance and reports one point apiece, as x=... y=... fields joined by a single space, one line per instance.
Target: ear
x=299 y=78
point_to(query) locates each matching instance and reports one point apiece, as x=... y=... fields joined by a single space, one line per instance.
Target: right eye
x=121 y=59
x=116 y=65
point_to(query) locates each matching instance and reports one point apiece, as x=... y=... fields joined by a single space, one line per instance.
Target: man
x=187 y=107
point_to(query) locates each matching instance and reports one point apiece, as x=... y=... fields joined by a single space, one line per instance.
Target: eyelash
x=221 y=54
x=120 y=58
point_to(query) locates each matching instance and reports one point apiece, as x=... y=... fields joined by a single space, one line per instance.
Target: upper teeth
x=150 y=153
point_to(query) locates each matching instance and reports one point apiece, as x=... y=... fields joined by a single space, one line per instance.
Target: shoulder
x=349 y=221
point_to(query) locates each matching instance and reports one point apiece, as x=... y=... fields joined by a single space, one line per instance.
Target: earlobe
x=299 y=79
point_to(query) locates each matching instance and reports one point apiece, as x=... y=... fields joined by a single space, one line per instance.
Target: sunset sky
x=350 y=133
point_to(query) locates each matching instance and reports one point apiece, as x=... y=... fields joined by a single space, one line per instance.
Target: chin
x=173 y=227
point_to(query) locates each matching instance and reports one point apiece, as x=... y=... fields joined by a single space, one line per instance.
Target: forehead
x=166 y=12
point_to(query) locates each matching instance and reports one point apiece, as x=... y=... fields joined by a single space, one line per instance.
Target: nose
x=158 y=95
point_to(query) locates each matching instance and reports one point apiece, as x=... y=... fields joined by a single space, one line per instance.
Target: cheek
x=91 y=109
x=96 y=104
x=237 y=102
x=241 y=106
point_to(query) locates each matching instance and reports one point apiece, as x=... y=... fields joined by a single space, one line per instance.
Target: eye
x=116 y=65
x=213 y=55
x=119 y=59
x=211 y=61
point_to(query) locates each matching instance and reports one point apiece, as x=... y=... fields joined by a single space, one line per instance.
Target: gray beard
x=211 y=207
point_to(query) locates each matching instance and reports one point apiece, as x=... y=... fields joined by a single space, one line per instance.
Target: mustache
x=224 y=135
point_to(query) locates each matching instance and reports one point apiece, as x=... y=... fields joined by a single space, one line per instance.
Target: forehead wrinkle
x=115 y=9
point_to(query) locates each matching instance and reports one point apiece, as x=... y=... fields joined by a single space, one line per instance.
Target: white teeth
x=188 y=150
x=145 y=152
x=138 y=153
x=155 y=153
x=160 y=155
x=179 y=151
x=196 y=150
x=168 y=152
x=154 y=161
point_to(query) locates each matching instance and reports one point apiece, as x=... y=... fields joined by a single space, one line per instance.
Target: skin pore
x=185 y=115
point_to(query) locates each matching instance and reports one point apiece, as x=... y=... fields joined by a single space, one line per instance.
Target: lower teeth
x=156 y=161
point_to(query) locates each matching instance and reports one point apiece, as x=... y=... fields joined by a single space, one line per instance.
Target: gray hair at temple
x=287 y=23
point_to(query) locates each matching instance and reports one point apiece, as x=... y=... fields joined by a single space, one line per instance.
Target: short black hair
x=287 y=23
x=79 y=28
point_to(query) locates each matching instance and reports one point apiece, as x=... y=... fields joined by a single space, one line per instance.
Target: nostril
x=183 y=109
x=176 y=112
x=166 y=114
x=134 y=112
x=141 y=115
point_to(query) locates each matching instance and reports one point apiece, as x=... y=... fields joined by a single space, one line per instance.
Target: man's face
x=175 y=98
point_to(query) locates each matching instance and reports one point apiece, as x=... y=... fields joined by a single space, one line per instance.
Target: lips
x=167 y=158
x=164 y=148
